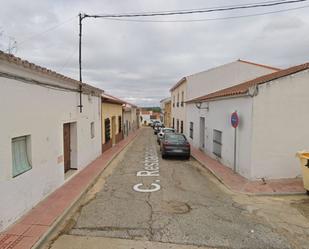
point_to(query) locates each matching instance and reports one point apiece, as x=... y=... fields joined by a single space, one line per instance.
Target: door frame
x=202 y=133
x=70 y=146
x=66 y=147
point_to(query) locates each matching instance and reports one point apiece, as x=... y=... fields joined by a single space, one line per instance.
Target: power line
x=204 y=19
x=47 y=30
x=197 y=11
x=181 y=10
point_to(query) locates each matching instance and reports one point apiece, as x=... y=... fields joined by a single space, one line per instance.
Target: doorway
x=202 y=133
x=113 y=130
x=69 y=146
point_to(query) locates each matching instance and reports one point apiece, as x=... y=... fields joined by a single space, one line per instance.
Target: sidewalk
x=32 y=227
x=238 y=183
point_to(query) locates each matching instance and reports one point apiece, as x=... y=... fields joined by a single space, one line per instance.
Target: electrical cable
x=223 y=6
x=204 y=19
x=198 y=11
x=47 y=30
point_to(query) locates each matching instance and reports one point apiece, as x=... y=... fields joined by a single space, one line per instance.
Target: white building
x=208 y=81
x=130 y=118
x=163 y=113
x=273 y=124
x=148 y=116
x=43 y=135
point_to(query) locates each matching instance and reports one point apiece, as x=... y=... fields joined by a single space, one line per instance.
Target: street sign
x=234 y=119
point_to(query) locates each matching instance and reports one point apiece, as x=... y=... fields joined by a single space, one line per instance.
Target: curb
x=75 y=202
x=243 y=192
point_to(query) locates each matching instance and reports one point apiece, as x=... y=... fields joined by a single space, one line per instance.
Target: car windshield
x=176 y=138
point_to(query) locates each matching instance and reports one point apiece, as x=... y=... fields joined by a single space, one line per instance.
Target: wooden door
x=67 y=146
x=114 y=130
x=202 y=133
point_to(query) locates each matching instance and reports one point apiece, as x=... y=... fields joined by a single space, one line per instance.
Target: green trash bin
x=304 y=161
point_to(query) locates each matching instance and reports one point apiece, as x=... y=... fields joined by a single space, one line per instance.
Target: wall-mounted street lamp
x=200 y=107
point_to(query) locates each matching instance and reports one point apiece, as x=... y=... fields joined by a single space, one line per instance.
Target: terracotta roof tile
x=243 y=88
x=260 y=65
x=38 y=69
x=111 y=99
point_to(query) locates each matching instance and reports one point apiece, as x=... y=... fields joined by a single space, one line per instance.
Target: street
x=142 y=201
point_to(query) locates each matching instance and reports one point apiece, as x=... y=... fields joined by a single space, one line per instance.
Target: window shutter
x=19 y=154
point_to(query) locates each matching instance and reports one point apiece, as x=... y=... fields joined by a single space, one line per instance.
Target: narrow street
x=188 y=208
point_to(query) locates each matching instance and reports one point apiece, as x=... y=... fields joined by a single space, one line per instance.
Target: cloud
x=141 y=61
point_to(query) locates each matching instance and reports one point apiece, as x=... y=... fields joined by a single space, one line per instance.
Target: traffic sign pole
x=235 y=123
x=235 y=135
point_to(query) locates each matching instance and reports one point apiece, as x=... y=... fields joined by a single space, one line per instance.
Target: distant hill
x=154 y=109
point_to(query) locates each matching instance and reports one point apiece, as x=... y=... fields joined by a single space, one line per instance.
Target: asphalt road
x=176 y=202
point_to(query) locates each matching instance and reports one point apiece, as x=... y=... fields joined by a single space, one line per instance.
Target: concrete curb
x=243 y=192
x=75 y=202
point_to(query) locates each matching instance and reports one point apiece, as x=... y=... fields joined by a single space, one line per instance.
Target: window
x=173 y=100
x=173 y=122
x=191 y=130
x=20 y=155
x=92 y=129
x=177 y=129
x=107 y=129
x=182 y=98
x=217 y=142
x=181 y=126
x=119 y=123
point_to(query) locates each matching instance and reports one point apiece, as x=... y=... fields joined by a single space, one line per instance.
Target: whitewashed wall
x=280 y=127
x=218 y=117
x=180 y=111
x=40 y=112
x=221 y=77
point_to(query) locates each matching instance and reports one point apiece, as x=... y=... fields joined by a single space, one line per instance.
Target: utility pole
x=80 y=64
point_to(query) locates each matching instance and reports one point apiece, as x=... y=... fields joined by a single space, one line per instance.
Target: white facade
x=273 y=127
x=130 y=119
x=39 y=113
x=212 y=80
x=223 y=76
x=146 y=117
x=162 y=107
x=218 y=118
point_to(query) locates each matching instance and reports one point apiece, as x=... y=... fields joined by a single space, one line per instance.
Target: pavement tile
x=25 y=243
x=8 y=240
x=18 y=229
x=36 y=231
x=238 y=183
x=32 y=226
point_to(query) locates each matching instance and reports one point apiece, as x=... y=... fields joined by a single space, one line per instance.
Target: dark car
x=157 y=128
x=161 y=133
x=175 y=144
x=154 y=122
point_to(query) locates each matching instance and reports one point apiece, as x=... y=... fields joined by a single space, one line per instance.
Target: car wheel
x=188 y=157
x=163 y=156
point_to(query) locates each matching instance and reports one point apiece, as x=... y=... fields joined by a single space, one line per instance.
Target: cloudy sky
x=140 y=61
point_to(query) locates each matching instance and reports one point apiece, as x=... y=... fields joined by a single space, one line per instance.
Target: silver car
x=161 y=133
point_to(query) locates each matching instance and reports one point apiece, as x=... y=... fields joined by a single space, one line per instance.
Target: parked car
x=175 y=144
x=155 y=122
x=158 y=127
x=162 y=132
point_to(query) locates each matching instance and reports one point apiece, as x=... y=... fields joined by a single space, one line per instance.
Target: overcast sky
x=139 y=62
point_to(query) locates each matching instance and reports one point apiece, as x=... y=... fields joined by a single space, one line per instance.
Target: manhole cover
x=176 y=207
